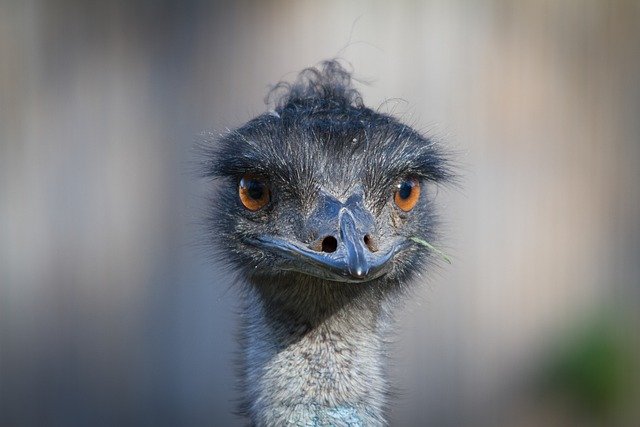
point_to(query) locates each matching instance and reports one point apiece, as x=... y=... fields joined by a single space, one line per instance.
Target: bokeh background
x=111 y=315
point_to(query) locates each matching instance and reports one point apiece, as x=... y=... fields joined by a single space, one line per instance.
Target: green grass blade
x=431 y=248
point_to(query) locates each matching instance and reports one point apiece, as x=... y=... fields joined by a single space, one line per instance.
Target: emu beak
x=348 y=264
x=344 y=252
x=354 y=246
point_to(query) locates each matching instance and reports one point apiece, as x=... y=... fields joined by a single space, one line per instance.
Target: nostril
x=329 y=244
x=369 y=242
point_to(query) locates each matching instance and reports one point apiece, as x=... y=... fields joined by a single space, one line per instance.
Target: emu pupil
x=405 y=189
x=255 y=188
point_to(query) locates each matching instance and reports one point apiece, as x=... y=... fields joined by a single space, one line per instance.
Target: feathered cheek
x=399 y=219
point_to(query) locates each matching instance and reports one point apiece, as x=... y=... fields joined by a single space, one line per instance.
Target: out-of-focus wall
x=110 y=315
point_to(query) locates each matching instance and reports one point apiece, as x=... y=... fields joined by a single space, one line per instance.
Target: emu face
x=326 y=187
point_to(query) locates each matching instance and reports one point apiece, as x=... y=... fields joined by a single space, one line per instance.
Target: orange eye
x=407 y=194
x=254 y=192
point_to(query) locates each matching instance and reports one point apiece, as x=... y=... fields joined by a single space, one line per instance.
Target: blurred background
x=111 y=315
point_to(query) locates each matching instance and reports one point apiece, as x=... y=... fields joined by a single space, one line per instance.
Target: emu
x=325 y=214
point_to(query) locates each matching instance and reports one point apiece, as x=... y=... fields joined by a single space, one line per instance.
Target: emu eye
x=407 y=194
x=254 y=192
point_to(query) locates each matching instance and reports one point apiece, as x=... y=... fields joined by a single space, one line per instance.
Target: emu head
x=323 y=188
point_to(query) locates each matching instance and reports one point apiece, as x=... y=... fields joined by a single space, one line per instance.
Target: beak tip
x=359 y=273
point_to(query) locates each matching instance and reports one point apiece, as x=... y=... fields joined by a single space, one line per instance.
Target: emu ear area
x=399 y=151
x=247 y=149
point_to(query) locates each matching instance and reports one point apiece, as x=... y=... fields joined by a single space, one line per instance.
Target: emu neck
x=313 y=353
